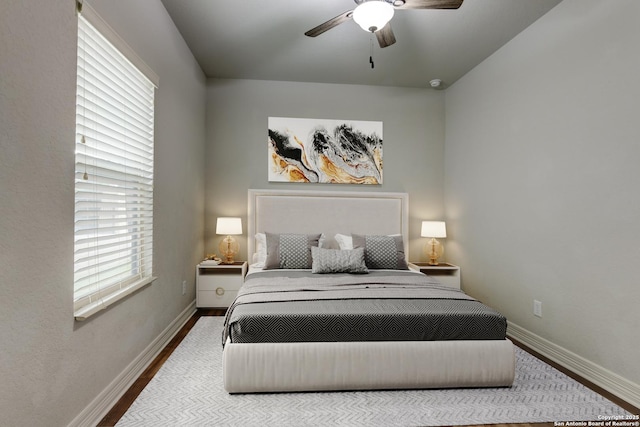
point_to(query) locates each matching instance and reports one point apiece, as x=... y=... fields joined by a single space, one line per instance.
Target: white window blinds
x=114 y=175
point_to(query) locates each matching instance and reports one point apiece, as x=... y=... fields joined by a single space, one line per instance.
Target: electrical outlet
x=537 y=308
x=184 y=287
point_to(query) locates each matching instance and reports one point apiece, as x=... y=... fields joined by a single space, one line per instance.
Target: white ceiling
x=264 y=40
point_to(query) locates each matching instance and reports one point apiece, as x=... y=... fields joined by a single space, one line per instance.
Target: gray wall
x=542 y=157
x=52 y=367
x=237 y=114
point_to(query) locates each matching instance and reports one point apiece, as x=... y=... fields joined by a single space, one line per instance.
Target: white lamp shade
x=435 y=229
x=227 y=225
x=373 y=15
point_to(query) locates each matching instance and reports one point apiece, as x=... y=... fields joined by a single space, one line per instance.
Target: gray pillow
x=338 y=261
x=382 y=252
x=289 y=250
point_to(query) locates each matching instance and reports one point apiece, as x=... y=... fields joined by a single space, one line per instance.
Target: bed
x=292 y=329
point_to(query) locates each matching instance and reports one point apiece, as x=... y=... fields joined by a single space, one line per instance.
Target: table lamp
x=228 y=246
x=433 y=249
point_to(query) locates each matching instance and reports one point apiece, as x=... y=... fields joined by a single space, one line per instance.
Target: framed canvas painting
x=325 y=151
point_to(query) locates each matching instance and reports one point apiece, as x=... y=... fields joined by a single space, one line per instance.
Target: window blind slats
x=112 y=184
x=99 y=172
x=110 y=122
x=109 y=209
x=111 y=266
x=94 y=88
x=114 y=66
x=110 y=202
x=92 y=161
x=114 y=171
x=111 y=68
x=100 y=49
x=108 y=185
x=115 y=127
x=129 y=218
x=95 y=293
x=113 y=143
x=90 y=234
x=97 y=84
x=106 y=158
x=83 y=255
x=110 y=101
x=103 y=288
x=95 y=168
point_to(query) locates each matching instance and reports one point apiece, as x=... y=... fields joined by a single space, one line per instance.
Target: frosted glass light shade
x=373 y=15
x=228 y=226
x=435 y=229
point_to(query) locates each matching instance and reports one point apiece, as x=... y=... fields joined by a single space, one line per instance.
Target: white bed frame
x=280 y=367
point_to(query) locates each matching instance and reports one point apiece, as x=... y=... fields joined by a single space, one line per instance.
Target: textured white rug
x=188 y=391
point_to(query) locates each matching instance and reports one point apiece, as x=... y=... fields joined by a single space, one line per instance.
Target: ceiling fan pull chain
x=371 y=50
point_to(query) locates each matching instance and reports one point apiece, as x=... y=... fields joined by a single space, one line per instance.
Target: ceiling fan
x=374 y=16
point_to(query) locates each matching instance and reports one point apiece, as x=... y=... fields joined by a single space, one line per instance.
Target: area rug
x=188 y=391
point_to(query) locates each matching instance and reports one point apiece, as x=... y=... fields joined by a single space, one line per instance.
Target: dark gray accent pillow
x=289 y=250
x=338 y=261
x=382 y=252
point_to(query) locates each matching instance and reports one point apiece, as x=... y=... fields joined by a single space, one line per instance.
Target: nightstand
x=447 y=274
x=218 y=285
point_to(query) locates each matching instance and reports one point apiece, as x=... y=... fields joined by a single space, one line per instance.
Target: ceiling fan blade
x=385 y=36
x=326 y=26
x=428 y=4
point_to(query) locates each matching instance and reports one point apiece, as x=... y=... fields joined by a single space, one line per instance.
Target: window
x=113 y=248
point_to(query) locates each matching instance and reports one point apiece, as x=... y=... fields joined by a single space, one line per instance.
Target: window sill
x=89 y=310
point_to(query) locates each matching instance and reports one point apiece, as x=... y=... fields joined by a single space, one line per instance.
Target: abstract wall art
x=325 y=151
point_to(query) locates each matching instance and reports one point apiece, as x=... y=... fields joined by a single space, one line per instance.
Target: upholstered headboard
x=329 y=212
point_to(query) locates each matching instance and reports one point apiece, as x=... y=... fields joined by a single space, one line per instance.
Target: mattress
x=298 y=306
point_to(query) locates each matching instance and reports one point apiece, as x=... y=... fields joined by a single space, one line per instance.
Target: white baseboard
x=102 y=404
x=610 y=381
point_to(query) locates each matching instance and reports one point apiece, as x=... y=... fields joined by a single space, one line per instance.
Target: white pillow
x=322 y=243
x=261 y=250
x=344 y=241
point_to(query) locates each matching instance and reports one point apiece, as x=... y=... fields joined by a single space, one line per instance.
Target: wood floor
x=127 y=399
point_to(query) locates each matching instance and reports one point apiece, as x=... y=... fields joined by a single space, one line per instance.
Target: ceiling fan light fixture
x=373 y=15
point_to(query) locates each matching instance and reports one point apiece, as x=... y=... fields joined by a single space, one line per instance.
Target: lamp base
x=433 y=250
x=228 y=249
